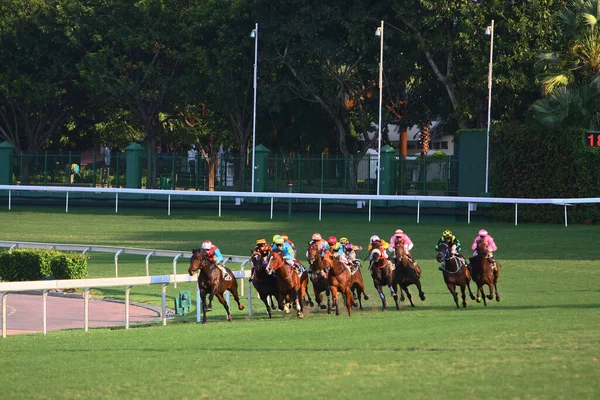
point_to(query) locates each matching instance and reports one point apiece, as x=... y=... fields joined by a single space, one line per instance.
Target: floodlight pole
x=255 y=35
x=489 y=29
x=380 y=31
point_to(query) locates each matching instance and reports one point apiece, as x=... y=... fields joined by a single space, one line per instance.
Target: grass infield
x=541 y=341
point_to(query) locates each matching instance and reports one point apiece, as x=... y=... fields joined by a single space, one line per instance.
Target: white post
x=255 y=35
x=175 y=268
x=380 y=34
x=487 y=137
x=148 y=262
x=117 y=262
x=198 y=304
x=219 y=206
x=249 y=298
x=516 y=213
x=169 y=205
x=44 y=311
x=86 y=309
x=369 y=210
x=320 y=207
x=117 y=203
x=566 y=215
x=469 y=213
x=418 y=211
x=9 y=201
x=271 y=208
x=127 y=292
x=163 y=296
x=67 y=203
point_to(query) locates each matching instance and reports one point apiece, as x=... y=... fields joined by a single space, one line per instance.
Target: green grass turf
x=540 y=341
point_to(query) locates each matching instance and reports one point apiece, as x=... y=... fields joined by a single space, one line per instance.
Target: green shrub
x=35 y=264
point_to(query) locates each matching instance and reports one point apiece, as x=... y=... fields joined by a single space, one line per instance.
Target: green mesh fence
x=332 y=174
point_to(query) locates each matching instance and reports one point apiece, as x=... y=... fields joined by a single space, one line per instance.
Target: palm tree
x=570 y=79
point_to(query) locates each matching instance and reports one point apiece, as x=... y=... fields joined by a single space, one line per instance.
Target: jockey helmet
x=206 y=245
x=260 y=241
x=284 y=236
x=447 y=234
x=374 y=238
x=278 y=239
x=316 y=236
x=344 y=240
x=483 y=233
x=398 y=232
x=332 y=240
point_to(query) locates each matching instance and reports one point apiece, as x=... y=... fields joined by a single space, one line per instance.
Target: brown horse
x=358 y=285
x=211 y=281
x=382 y=274
x=340 y=280
x=484 y=274
x=407 y=273
x=455 y=273
x=288 y=282
x=264 y=283
x=318 y=276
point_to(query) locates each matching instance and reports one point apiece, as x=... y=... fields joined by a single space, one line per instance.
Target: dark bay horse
x=357 y=285
x=484 y=274
x=211 y=281
x=288 y=282
x=340 y=280
x=264 y=283
x=382 y=274
x=455 y=273
x=318 y=276
x=407 y=273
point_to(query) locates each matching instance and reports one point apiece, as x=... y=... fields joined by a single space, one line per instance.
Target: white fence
x=83 y=248
x=470 y=202
x=87 y=284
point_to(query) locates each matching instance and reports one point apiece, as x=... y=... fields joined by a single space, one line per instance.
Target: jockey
x=350 y=251
x=454 y=246
x=377 y=243
x=335 y=246
x=287 y=252
x=408 y=244
x=214 y=254
x=321 y=243
x=263 y=249
x=491 y=245
x=287 y=240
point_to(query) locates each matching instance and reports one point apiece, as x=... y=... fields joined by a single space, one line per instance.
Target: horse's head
x=482 y=248
x=275 y=261
x=376 y=256
x=399 y=247
x=313 y=253
x=195 y=261
x=443 y=249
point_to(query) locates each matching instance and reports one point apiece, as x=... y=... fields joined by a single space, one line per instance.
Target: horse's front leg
x=204 y=306
x=381 y=296
x=349 y=301
x=408 y=295
x=491 y=289
x=225 y=306
x=497 y=293
x=265 y=299
x=469 y=287
x=394 y=292
x=452 y=289
x=464 y=296
x=334 y=295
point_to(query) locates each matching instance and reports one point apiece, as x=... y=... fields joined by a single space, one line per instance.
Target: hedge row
x=532 y=162
x=34 y=264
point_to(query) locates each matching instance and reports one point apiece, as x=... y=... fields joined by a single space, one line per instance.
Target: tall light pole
x=254 y=34
x=489 y=31
x=379 y=32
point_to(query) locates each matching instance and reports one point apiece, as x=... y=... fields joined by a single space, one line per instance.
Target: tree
x=570 y=78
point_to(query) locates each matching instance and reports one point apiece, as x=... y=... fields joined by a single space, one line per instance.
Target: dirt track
x=24 y=313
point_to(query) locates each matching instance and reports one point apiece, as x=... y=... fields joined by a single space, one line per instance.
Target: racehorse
x=407 y=273
x=211 y=281
x=318 y=277
x=265 y=284
x=455 y=273
x=484 y=274
x=382 y=274
x=288 y=282
x=340 y=280
x=358 y=286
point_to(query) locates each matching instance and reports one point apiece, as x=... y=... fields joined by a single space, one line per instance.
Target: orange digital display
x=592 y=139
